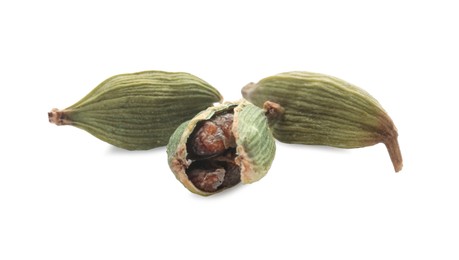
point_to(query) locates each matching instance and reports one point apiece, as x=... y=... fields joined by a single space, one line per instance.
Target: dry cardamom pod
x=221 y=147
x=312 y=108
x=138 y=111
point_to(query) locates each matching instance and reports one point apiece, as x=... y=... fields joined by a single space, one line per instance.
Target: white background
x=66 y=195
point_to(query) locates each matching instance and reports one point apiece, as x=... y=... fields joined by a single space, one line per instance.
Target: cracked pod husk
x=221 y=147
x=312 y=108
x=138 y=111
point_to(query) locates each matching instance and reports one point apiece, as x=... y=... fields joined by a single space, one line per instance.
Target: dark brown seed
x=213 y=137
x=207 y=180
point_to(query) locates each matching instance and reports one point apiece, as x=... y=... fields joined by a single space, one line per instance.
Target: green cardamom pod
x=316 y=109
x=138 y=111
x=220 y=147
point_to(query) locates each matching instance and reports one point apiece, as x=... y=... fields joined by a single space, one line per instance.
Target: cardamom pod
x=221 y=147
x=312 y=108
x=138 y=111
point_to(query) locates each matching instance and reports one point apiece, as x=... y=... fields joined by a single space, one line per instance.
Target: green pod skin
x=316 y=109
x=138 y=111
x=250 y=154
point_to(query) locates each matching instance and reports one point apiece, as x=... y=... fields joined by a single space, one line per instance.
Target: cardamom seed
x=138 y=111
x=316 y=109
x=221 y=147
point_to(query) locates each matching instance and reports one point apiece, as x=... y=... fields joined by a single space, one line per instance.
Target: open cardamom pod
x=312 y=108
x=138 y=111
x=221 y=147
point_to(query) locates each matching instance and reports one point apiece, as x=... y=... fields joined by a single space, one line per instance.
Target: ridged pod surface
x=139 y=111
x=240 y=142
x=316 y=109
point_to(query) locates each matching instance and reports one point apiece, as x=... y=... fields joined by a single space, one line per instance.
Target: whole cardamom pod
x=138 y=111
x=312 y=108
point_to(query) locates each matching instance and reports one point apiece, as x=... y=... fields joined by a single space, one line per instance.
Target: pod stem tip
x=58 y=117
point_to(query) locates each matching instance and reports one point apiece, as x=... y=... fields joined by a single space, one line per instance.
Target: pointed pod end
x=394 y=152
x=247 y=90
x=58 y=117
x=390 y=140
